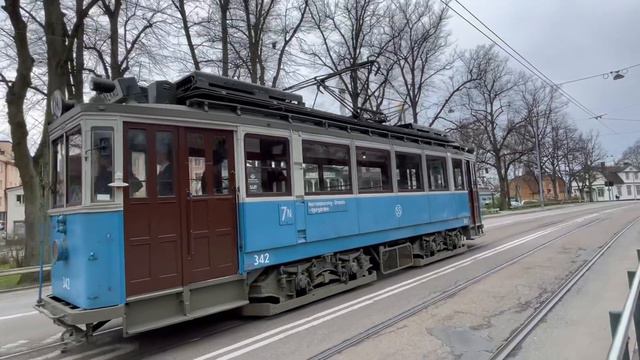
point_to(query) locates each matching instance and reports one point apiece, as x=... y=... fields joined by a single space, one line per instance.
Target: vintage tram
x=180 y=200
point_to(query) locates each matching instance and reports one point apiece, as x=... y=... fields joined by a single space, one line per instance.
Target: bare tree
x=419 y=47
x=492 y=127
x=291 y=18
x=186 y=27
x=351 y=32
x=134 y=35
x=632 y=154
x=590 y=154
x=61 y=74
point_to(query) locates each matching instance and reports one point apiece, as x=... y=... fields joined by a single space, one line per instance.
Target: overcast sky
x=566 y=39
x=570 y=39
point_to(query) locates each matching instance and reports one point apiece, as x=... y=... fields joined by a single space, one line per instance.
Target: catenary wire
x=530 y=67
x=598 y=75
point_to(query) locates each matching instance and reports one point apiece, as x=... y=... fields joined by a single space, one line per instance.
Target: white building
x=613 y=183
x=15 y=210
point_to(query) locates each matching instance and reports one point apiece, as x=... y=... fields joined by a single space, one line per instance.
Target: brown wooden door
x=474 y=200
x=208 y=182
x=152 y=224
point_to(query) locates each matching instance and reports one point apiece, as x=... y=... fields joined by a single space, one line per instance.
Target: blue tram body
x=356 y=222
x=235 y=225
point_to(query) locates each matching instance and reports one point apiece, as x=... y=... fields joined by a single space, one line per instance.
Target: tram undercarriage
x=280 y=288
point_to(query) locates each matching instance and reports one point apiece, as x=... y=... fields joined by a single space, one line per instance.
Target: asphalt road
x=486 y=312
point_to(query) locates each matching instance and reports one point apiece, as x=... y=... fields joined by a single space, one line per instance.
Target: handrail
x=621 y=322
x=23 y=270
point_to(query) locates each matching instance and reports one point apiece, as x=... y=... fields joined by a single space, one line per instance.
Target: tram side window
x=437 y=170
x=137 y=143
x=326 y=168
x=102 y=163
x=57 y=172
x=373 y=170
x=267 y=165
x=409 y=171
x=458 y=175
x=74 y=167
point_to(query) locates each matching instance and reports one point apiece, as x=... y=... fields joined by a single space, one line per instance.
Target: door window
x=220 y=165
x=197 y=164
x=165 y=160
x=137 y=140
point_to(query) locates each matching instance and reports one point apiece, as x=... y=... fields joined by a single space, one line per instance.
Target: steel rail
x=619 y=346
x=446 y=294
x=23 y=270
x=538 y=315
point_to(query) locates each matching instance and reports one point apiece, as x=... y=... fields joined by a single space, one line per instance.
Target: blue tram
x=179 y=200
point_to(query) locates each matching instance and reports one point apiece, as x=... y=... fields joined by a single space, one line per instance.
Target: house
x=15 y=211
x=487 y=194
x=618 y=182
x=525 y=187
x=9 y=177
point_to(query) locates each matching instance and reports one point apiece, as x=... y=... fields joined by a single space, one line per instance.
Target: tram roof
x=195 y=98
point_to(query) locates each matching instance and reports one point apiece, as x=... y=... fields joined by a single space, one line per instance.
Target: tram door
x=208 y=181
x=179 y=207
x=152 y=206
x=474 y=200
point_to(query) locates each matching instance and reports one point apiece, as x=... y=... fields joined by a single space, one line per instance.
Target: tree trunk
x=187 y=33
x=15 y=97
x=224 y=30
x=114 y=46
x=78 y=80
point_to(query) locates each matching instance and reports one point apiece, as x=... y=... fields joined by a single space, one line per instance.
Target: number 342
x=260 y=259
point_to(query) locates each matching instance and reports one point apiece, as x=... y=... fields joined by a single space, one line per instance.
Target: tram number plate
x=260 y=259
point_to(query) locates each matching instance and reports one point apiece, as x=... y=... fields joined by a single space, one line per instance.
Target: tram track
x=149 y=349
x=521 y=333
x=503 y=351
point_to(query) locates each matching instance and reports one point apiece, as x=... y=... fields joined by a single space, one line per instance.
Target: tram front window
x=74 y=167
x=102 y=163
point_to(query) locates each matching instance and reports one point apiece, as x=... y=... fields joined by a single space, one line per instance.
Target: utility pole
x=540 y=186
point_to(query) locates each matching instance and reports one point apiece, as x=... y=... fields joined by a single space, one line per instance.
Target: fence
x=621 y=320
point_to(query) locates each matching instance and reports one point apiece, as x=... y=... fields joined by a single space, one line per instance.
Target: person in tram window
x=165 y=173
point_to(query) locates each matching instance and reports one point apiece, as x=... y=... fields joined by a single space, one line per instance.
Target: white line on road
x=7 y=317
x=12 y=345
x=516 y=218
x=308 y=322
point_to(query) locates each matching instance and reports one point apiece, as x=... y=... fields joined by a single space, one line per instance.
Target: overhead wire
x=529 y=66
x=599 y=75
x=538 y=73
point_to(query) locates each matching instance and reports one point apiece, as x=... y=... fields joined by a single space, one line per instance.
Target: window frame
x=464 y=182
x=92 y=197
x=446 y=179
x=289 y=181
x=350 y=190
x=75 y=130
x=421 y=167
x=54 y=176
x=390 y=170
